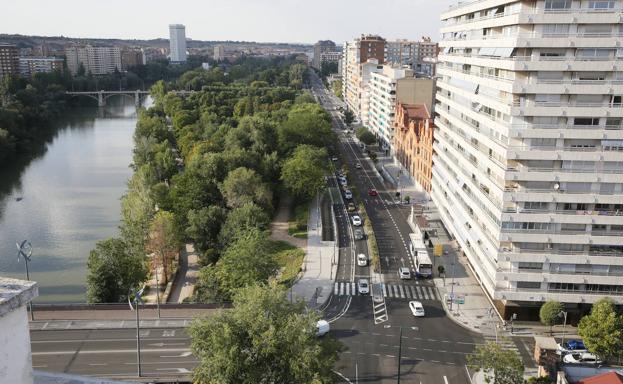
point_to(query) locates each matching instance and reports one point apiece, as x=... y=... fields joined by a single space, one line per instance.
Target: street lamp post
x=564 y=324
x=399 y=354
x=452 y=285
x=24 y=249
x=137 y=302
x=157 y=292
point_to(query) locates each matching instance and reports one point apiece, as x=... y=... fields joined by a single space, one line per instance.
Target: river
x=66 y=197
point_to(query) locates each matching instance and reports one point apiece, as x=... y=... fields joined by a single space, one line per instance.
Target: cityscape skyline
x=224 y=22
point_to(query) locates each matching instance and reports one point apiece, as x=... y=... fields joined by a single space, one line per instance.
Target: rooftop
x=605 y=378
x=416 y=111
x=15 y=293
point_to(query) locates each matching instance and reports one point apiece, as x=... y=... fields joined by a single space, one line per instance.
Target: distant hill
x=57 y=42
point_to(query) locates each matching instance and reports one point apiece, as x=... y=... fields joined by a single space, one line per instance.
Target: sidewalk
x=186 y=278
x=315 y=283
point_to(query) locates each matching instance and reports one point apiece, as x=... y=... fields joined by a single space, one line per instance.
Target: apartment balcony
x=603 y=257
x=537 y=16
x=521 y=173
x=559 y=277
x=555 y=131
x=533 y=108
x=563 y=296
x=534 y=40
x=560 y=87
x=576 y=153
x=558 y=236
x=535 y=63
x=559 y=195
x=564 y=217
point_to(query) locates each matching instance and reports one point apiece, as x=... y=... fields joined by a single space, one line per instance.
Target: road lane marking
x=402 y=293
x=336 y=289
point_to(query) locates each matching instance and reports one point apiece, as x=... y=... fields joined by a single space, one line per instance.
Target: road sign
x=460 y=299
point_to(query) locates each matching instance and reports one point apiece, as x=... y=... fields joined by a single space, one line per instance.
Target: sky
x=293 y=21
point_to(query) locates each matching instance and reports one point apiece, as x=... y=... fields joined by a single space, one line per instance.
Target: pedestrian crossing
x=505 y=342
x=408 y=292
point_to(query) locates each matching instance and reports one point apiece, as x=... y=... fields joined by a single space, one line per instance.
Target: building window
x=530 y=266
x=601 y=4
x=557 y=4
x=529 y=284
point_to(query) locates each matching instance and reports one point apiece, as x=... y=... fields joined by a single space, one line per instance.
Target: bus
x=421 y=259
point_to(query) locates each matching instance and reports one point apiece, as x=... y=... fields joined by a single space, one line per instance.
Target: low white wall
x=15 y=357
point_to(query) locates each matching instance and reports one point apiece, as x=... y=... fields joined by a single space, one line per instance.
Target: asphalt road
x=434 y=348
x=164 y=352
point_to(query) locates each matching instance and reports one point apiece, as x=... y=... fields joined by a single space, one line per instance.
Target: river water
x=66 y=197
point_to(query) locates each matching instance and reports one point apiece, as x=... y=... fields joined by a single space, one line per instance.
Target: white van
x=322 y=327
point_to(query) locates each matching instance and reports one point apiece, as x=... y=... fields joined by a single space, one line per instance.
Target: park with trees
x=209 y=169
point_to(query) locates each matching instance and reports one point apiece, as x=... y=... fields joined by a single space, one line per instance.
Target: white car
x=581 y=358
x=362 y=260
x=404 y=273
x=417 y=309
x=343 y=181
x=348 y=194
x=356 y=220
x=322 y=328
x=363 y=286
x=358 y=166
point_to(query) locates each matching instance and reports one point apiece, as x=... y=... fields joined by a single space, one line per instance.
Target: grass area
x=298 y=227
x=289 y=258
x=373 y=248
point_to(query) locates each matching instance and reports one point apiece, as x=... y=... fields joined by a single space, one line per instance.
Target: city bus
x=421 y=259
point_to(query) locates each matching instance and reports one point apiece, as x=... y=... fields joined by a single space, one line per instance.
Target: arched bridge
x=102 y=96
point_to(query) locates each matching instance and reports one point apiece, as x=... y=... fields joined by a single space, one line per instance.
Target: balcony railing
x=563 y=170
x=562 y=126
x=562 y=232
x=560 y=104
x=563 y=291
x=596 y=148
x=606 y=253
x=564 y=212
x=533 y=58
x=532 y=35
x=536 y=11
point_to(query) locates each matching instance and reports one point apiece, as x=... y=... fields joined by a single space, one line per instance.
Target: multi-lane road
x=432 y=349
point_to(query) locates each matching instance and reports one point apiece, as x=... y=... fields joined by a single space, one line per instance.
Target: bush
x=373 y=249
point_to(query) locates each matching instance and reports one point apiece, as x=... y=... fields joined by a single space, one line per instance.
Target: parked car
x=581 y=358
x=359 y=235
x=356 y=220
x=571 y=346
x=348 y=194
x=351 y=207
x=362 y=260
x=322 y=328
x=334 y=158
x=363 y=286
x=358 y=166
x=372 y=192
x=404 y=273
x=343 y=181
x=417 y=309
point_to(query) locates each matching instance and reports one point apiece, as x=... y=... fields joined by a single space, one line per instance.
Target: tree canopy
x=263 y=339
x=499 y=365
x=303 y=173
x=112 y=272
x=550 y=313
x=602 y=330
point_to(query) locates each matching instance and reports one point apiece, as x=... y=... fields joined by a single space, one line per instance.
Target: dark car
x=372 y=192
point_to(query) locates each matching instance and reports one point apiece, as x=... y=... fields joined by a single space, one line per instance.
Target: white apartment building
x=388 y=86
x=356 y=71
x=29 y=66
x=95 y=60
x=528 y=164
x=177 y=43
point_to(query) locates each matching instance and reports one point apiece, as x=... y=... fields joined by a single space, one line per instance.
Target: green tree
x=263 y=339
x=242 y=219
x=549 y=313
x=112 y=271
x=164 y=243
x=306 y=124
x=137 y=211
x=500 y=366
x=602 y=330
x=303 y=173
x=247 y=261
x=349 y=117
x=365 y=136
x=242 y=186
x=204 y=225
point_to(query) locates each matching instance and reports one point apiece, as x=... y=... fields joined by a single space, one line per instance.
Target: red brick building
x=413 y=141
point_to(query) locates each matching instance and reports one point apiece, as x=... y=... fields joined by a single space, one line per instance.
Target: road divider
x=373 y=248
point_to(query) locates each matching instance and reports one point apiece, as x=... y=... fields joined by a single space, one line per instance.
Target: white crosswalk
x=504 y=342
x=410 y=292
